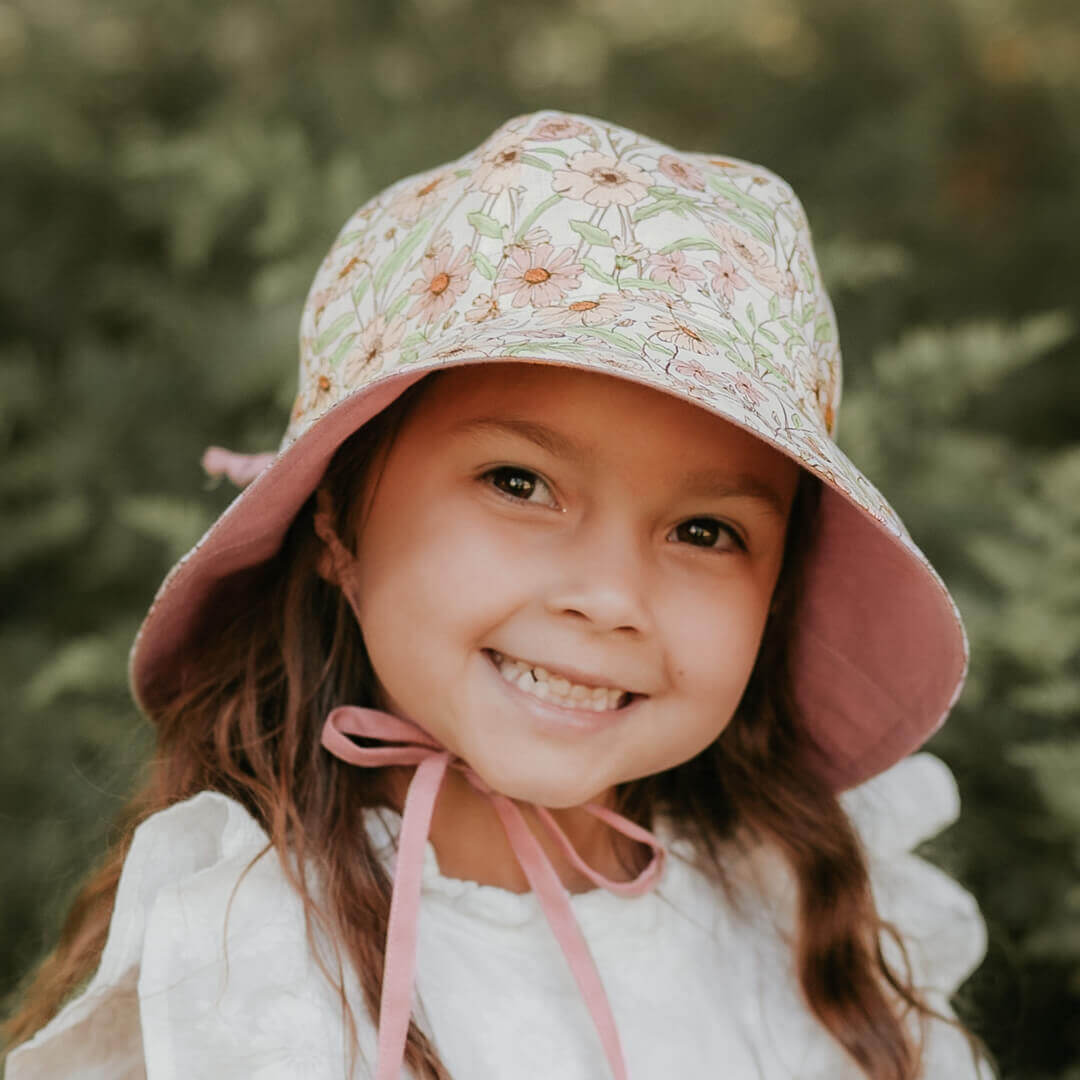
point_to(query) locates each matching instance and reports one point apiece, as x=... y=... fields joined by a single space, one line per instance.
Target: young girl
x=543 y=708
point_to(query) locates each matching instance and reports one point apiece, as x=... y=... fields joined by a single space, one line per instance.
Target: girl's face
x=585 y=524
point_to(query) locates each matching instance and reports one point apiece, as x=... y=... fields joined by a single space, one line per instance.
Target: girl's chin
x=537 y=785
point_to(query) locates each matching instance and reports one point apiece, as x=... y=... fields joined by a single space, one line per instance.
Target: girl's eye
x=708 y=530
x=515 y=483
x=521 y=484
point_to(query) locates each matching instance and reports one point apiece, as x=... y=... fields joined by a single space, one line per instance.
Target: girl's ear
x=324 y=567
x=334 y=564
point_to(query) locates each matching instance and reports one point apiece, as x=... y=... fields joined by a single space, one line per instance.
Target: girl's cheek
x=715 y=632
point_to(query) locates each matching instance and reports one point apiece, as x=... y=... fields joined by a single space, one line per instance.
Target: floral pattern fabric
x=566 y=238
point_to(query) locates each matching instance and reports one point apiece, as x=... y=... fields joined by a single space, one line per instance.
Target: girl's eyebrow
x=703 y=482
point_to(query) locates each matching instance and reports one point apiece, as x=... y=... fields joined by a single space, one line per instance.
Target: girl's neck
x=471 y=845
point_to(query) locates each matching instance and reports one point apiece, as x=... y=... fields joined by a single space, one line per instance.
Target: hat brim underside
x=880 y=652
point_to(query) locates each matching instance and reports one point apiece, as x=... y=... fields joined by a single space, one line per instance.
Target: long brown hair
x=280 y=648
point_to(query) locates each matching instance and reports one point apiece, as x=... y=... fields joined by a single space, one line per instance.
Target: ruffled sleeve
x=893 y=813
x=162 y=1004
x=939 y=920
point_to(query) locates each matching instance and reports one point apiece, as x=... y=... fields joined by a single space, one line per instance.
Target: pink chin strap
x=409 y=744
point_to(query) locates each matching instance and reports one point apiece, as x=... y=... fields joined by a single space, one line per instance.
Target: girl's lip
x=560 y=715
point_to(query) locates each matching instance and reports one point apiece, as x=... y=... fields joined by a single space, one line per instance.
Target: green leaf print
x=713 y=336
x=690 y=245
x=524 y=227
x=646 y=283
x=394 y=262
x=677 y=204
x=591 y=233
x=751 y=226
x=594 y=271
x=396 y=307
x=536 y=162
x=764 y=358
x=361 y=288
x=414 y=338
x=333 y=331
x=345 y=342
x=724 y=186
x=822 y=329
x=483 y=264
x=774 y=306
x=666 y=350
x=485 y=224
x=549 y=150
x=612 y=337
x=750 y=314
x=540 y=347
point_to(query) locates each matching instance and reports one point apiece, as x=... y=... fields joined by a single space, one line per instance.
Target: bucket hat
x=565 y=239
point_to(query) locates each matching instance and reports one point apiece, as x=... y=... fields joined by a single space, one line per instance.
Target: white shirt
x=696 y=990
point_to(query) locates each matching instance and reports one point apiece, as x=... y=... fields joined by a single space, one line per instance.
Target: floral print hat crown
x=565 y=239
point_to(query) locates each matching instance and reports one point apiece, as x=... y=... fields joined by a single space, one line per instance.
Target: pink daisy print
x=678 y=332
x=695 y=369
x=749 y=253
x=419 y=197
x=484 y=307
x=439 y=242
x=599 y=180
x=532 y=239
x=726 y=277
x=316 y=390
x=682 y=172
x=366 y=354
x=351 y=262
x=440 y=284
x=556 y=128
x=500 y=166
x=595 y=311
x=743 y=386
x=674 y=269
x=535 y=277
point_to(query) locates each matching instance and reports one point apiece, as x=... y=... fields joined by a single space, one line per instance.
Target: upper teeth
x=543 y=684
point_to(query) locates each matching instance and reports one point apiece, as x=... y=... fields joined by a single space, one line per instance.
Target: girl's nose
x=602 y=576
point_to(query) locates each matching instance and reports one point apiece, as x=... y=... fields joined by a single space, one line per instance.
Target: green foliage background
x=172 y=172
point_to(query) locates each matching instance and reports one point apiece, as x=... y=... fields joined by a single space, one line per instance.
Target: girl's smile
x=572 y=710
x=557 y=681
x=623 y=540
